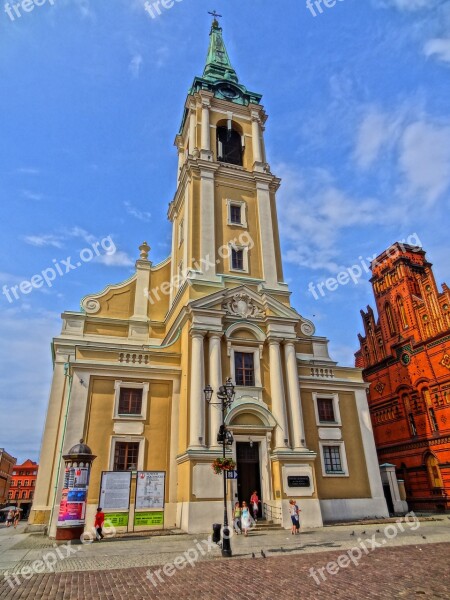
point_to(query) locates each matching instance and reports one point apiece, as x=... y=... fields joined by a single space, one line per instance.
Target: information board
x=116 y=519
x=150 y=486
x=149 y=519
x=115 y=490
x=72 y=507
x=299 y=481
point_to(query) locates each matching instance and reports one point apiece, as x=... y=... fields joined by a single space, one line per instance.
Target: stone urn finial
x=144 y=250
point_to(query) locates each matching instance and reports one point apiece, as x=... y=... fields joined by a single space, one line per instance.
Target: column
x=256 y=133
x=215 y=380
x=206 y=132
x=267 y=235
x=277 y=393
x=173 y=265
x=207 y=243
x=192 y=129
x=298 y=428
x=197 y=400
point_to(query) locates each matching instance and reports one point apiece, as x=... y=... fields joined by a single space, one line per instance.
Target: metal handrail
x=272 y=513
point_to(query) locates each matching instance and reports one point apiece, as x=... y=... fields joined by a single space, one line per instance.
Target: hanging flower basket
x=223 y=464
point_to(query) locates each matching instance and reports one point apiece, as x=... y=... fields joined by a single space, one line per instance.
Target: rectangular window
x=244 y=368
x=237 y=259
x=126 y=456
x=412 y=424
x=236 y=214
x=130 y=401
x=325 y=407
x=27 y=483
x=332 y=459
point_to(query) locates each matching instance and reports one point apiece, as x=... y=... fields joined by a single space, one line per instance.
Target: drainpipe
x=55 y=491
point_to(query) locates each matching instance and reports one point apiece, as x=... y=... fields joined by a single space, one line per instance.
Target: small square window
x=126 y=456
x=237 y=259
x=325 y=407
x=130 y=401
x=332 y=459
x=236 y=214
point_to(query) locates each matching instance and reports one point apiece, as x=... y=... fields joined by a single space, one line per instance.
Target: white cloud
x=424 y=160
x=44 y=240
x=375 y=131
x=28 y=171
x=24 y=391
x=135 y=65
x=135 y=212
x=407 y=5
x=118 y=259
x=314 y=213
x=29 y=195
x=438 y=48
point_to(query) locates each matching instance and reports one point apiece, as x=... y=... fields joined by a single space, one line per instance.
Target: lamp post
x=225 y=437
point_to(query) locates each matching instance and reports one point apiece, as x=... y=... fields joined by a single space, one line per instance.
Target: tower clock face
x=228 y=91
x=406 y=359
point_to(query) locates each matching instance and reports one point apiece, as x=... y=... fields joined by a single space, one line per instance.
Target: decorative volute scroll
x=90 y=305
x=241 y=305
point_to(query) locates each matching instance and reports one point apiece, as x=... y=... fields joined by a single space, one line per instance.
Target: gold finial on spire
x=215 y=15
x=144 y=250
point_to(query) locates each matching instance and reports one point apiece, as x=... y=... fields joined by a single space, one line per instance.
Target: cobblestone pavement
x=402 y=572
x=397 y=561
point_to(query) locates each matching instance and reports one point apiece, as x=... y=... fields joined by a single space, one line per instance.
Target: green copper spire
x=218 y=65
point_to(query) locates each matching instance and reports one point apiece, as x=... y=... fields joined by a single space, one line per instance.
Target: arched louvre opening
x=229 y=146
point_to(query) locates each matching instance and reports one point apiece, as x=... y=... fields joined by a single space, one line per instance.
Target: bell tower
x=225 y=226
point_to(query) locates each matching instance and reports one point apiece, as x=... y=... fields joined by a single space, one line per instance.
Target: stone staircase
x=265 y=525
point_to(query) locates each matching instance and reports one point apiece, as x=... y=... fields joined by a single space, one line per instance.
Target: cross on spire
x=214 y=14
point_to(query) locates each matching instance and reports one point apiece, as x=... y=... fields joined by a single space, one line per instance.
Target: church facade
x=406 y=360
x=130 y=368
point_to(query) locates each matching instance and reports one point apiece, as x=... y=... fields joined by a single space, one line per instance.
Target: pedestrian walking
x=237 y=513
x=294 y=511
x=99 y=521
x=245 y=518
x=254 y=503
x=16 y=517
x=10 y=518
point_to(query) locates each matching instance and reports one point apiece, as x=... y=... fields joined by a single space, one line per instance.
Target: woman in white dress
x=245 y=518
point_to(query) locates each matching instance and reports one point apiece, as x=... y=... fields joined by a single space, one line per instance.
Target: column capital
x=197 y=333
x=272 y=341
x=215 y=334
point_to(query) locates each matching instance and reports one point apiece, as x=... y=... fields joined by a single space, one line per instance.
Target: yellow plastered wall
x=119 y=303
x=100 y=429
x=158 y=305
x=357 y=484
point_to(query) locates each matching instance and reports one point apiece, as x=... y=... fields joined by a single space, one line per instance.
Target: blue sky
x=91 y=99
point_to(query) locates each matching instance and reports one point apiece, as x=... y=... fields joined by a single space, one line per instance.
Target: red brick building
x=405 y=354
x=23 y=482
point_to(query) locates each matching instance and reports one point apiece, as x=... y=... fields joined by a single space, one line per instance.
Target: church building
x=405 y=354
x=130 y=368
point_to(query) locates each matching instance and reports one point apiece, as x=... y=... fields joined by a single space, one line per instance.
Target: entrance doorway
x=249 y=475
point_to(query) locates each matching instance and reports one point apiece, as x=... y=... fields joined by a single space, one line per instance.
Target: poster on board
x=72 y=507
x=150 y=486
x=115 y=490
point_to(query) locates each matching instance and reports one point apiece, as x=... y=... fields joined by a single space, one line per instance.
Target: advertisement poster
x=115 y=490
x=71 y=514
x=72 y=508
x=149 y=519
x=150 y=486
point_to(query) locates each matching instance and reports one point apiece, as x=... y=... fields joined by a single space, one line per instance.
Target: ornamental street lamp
x=224 y=437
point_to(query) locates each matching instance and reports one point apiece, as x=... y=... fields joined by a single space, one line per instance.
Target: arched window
x=402 y=313
x=390 y=319
x=434 y=471
x=229 y=146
